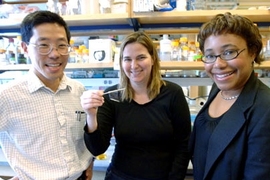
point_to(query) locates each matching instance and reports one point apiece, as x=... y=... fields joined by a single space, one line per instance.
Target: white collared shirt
x=41 y=135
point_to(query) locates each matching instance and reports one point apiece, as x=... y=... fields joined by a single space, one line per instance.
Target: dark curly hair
x=233 y=24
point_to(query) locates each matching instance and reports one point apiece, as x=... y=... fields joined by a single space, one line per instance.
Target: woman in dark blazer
x=231 y=133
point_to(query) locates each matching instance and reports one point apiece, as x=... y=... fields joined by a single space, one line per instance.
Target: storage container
x=101 y=50
x=119 y=6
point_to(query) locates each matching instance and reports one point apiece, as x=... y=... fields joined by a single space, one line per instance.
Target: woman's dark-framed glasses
x=45 y=49
x=226 y=55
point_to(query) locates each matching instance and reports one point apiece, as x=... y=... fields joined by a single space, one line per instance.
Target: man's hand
x=89 y=171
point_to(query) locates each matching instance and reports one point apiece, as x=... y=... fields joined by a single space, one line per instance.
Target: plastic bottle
x=72 y=54
x=190 y=5
x=105 y=6
x=181 y=5
x=165 y=48
x=183 y=49
x=20 y=56
x=78 y=58
x=2 y=43
x=175 y=51
x=89 y=6
x=21 y=59
x=3 y=60
x=11 y=50
x=192 y=46
x=266 y=53
x=19 y=49
x=198 y=53
x=185 y=53
x=85 y=55
x=190 y=55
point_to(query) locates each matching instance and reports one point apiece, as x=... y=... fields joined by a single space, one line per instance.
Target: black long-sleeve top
x=151 y=139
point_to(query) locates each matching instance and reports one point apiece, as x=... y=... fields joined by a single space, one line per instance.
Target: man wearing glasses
x=41 y=135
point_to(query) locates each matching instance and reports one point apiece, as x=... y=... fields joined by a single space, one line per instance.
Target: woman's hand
x=91 y=100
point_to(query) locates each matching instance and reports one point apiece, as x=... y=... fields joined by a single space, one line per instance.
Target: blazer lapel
x=219 y=140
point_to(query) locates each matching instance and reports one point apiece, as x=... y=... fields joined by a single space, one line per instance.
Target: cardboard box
x=120 y=7
x=101 y=50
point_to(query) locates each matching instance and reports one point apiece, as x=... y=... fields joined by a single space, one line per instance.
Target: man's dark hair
x=39 y=17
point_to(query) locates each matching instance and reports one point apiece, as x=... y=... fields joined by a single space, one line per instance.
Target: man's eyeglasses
x=45 y=49
x=226 y=55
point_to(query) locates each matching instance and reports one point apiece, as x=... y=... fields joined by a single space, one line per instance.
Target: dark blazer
x=239 y=147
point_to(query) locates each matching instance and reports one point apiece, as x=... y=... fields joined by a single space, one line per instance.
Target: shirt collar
x=34 y=83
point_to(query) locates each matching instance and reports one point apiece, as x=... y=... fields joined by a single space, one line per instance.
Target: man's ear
x=24 y=47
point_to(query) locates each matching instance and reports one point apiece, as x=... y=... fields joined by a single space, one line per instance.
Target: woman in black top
x=150 y=118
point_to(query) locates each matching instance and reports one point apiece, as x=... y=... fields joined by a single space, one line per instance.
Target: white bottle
x=165 y=48
x=181 y=5
x=11 y=50
x=267 y=51
x=89 y=6
x=2 y=43
x=72 y=54
x=175 y=51
x=183 y=49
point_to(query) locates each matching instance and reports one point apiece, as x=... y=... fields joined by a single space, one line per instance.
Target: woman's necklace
x=228 y=98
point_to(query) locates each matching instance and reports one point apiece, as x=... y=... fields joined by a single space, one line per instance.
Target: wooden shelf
x=26 y=1
x=132 y=20
x=187 y=65
x=97 y=19
x=75 y=20
x=89 y=65
x=165 y=65
x=198 y=16
x=264 y=65
x=19 y=67
x=181 y=65
x=70 y=66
